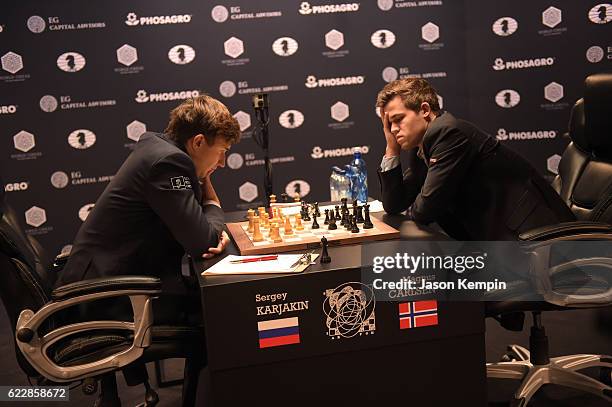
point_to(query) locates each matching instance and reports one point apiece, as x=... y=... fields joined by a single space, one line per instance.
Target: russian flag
x=416 y=314
x=278 y=332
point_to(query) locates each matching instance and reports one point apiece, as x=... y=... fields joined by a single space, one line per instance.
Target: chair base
x=562 y=370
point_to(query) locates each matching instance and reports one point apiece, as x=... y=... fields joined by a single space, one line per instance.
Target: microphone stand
x=262 y=114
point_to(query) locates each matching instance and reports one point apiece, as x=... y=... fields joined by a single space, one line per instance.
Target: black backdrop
x=80 y=81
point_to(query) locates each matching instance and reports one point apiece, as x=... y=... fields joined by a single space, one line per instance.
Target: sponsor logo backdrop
x=79 y=84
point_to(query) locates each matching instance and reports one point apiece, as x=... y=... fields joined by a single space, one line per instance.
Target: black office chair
x=584 y=181
x=53 y=350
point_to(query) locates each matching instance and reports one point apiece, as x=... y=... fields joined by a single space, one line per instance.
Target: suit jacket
x=146 y=218
x=471 y=185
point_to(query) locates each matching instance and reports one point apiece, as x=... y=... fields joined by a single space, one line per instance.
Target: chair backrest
x=25 y=282
x=585 y=171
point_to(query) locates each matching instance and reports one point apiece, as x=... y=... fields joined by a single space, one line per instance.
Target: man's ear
x=426 y=109
x=197 y=140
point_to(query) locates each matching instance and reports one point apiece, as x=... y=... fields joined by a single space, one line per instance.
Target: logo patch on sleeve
x=180 y=182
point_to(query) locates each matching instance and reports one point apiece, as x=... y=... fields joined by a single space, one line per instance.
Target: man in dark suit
x=458 y=176
x=161 y=204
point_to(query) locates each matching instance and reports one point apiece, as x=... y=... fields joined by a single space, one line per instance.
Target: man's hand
x=223 y=241
x=393 y=148
x=208 y=192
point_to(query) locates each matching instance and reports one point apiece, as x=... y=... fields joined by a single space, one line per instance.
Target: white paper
x=280 y=265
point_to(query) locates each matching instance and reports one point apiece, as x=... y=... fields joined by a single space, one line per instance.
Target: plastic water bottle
x=339 y=184
x=359 y=179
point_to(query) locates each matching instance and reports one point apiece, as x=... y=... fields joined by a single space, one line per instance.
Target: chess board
x=308 y=238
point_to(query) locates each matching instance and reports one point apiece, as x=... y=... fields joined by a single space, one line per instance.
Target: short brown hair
x=202 y=115
x=412 y=91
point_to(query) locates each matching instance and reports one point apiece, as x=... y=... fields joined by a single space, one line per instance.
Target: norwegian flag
x=415 y=314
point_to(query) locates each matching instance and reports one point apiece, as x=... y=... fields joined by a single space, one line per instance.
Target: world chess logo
x=71 y=62
x=135 y=129
x=48 y=103
x=141 y=96
x=552 y=163
x=227 y=89
x=181 y=54
x=389 y=74
x=24 y=141
x=430 y=32
x=507 y=98
x=385 y=5
x=291 y=119
x=382 y=39
x=82 y=139
x=339 y=111
x=36 y=24
x=233 y=47
x=551 y=17
x=595 y=54
x=180 y=182
x=285 y=46
x=553 y=92
x=35 y=216
x=219 y=14
x=244 y=120
x=505 y=26
x=127 y=55
x=85 y=210
x=601 y=13
x=11 y=62
x=334 y=39
x=297 y=187
x=59 y=179
x=349 y=310
x=248 y=191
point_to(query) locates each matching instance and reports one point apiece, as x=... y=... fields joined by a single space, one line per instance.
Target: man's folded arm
x=449 y=161
x=170 y=194
x=400 y=190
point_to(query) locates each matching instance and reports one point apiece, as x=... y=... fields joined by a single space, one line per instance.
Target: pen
x=253 y=259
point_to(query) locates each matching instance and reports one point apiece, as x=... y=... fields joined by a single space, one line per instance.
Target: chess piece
x=250 y=216
x=315 y=225
x=296 y=198
x=326 y=222
x=305 y=214
x=354 y=227
x=257 y=236
x=349 y=222
x=324 y=254
x=360 y=214
x=272 y=198
x=266 y=220
x=316 y=210
x=337 y=212
x=275 y=233
x=288 y=228
x=298 y=222
x=332 y=224
x=367 y=222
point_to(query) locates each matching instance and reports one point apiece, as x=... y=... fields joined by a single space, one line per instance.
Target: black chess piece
x=367 y=222
x=360 y=214
x=315 y=225
x=305 y=213
x=343 y=218
x=326 y=222
x=349 y=222
x=324 y=254
x=337 y=212
x=332 y=224
x=332 y=216
x=316 y=210
x=354 y=227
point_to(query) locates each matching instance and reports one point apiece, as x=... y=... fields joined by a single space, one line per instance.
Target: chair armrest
x=567 y=229
x=35 y=344
x=152 y=285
